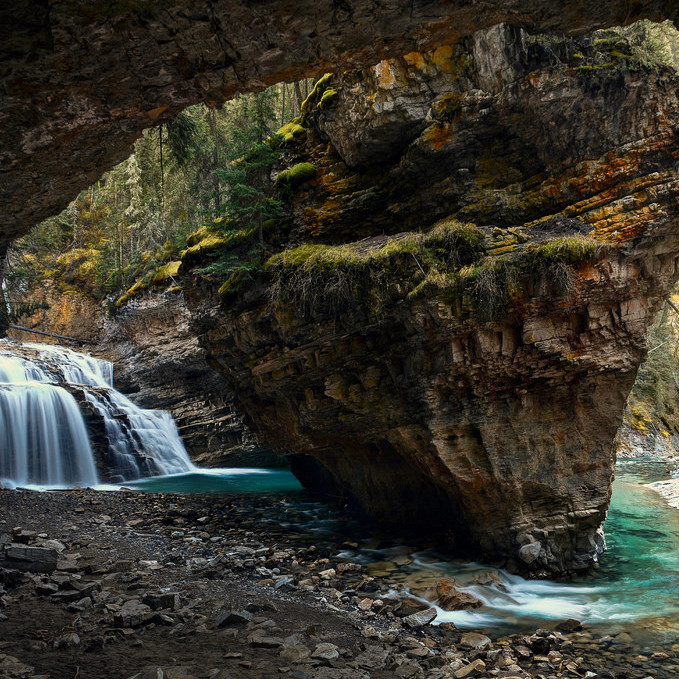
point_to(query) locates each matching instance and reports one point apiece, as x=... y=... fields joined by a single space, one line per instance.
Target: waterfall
x=50 y=397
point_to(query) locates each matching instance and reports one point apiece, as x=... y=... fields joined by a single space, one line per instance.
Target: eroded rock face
x=81 y=80
x=496 y=423
x=160 y=365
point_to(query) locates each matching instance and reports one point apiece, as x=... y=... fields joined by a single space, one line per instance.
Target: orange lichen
x=438 y=135
x=443 y=58
x=386 y=74
x=415 y=60
x=155 y=113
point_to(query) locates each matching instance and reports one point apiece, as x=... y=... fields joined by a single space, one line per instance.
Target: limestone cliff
x=470 y=269
x=80 y=80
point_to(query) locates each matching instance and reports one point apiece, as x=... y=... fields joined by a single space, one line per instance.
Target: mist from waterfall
x=44 y=437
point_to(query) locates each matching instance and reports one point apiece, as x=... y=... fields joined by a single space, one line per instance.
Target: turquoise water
x=225 y=481
x=635 y=589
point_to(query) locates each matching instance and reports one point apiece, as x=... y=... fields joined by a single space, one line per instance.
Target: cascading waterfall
x=43 y=434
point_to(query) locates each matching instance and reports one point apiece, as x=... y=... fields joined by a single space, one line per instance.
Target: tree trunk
x=298 y=97
x=215 y=158
x=283 y=105
x=4 y=305
x=162 y=169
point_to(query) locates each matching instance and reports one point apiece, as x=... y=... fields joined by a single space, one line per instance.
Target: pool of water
x=224 y=481
x=635 y=589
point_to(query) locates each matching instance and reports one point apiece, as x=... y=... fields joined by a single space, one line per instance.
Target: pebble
x=474 y=666
x=474 y=640
x=326 y=651
x=127 y=595
x=420 y=618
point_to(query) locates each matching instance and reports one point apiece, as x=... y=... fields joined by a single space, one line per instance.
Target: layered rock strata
x=81 y=80
x=160 y=365
x=466 y=375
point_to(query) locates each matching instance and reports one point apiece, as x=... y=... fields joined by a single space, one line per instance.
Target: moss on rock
x=570 y=249
x=292 y=131
x=166 y=273
x=315 y=96
x=202 y=249
x=296 y=175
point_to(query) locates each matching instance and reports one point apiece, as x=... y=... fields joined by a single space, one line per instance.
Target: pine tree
x=251 y=156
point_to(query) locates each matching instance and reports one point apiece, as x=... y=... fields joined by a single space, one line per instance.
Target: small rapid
x=632 y=591
x=51 y=399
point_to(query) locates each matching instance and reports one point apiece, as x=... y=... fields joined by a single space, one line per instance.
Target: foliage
x=644 y=45
x=329 y=279
x=569 y=249
x=209 y=166
x=295 y=176
x=654 y=399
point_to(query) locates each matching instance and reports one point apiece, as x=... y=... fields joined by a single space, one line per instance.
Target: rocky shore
x=128 y=585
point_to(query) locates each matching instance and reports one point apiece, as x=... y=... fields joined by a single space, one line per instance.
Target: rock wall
x=81 y=80
x=158 y=364
x=483 y=395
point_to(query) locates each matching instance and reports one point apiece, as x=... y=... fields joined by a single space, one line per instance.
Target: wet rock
x=421 y=618
x=474 y=641
x=475 y=666
x=407 y=607
x=530 y=553
x=451 y=599
x=570 y=625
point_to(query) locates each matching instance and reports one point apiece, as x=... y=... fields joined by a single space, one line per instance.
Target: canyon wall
x=80 y=81
x=159 y=364
x=469 y=271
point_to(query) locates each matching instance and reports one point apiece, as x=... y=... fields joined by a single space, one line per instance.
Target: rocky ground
x=131 y=585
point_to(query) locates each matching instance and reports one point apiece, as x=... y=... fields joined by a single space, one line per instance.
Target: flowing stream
x=44 y=438
x=45 y=391
x=634 y=590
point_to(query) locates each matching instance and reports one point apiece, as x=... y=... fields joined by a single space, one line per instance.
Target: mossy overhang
x=94 y=75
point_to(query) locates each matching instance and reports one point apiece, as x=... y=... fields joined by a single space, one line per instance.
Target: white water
x=43 y=437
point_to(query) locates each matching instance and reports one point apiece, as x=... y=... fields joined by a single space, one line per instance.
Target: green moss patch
x=292 y=131
x=316 y=96
x=296 y=175
x=375 y=272
x=205 y=248
x=326 y=100
x=166 y=273
x=569 y=249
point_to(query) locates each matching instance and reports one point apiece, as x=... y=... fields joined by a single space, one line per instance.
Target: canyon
x=452 y=315
x=488 y=231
